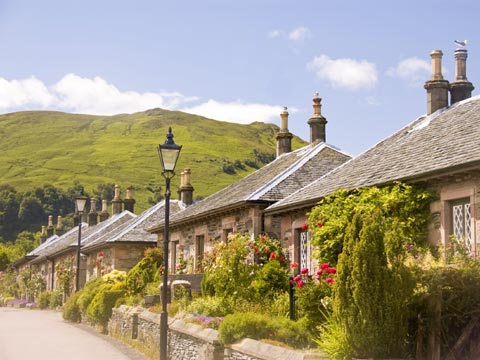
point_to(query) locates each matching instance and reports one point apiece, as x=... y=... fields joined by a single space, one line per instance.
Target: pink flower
x=304 y=227
x=324 y=266
x=320 y=272
x=304 y=271
x=297 y=278
x=300 y=283
x=331 y=270
x=294 y=265
x=329 y=280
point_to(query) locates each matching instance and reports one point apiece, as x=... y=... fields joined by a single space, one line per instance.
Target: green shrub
x=100 y=309
x=210 y=306
x=88 y=293
x=257 y=326
x=145 y=271
x=371 y=296
x=270 y=280
x=54 y=299
x=332 y=340
x=245 y=325
x=71 y=309
x=43 y=299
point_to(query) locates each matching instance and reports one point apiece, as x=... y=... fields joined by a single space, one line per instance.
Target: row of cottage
x=439 y=150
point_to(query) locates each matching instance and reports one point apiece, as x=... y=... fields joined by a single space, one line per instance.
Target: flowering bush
x=65 y=274
x=212 y=322
x=265 y=249
x=313 y=292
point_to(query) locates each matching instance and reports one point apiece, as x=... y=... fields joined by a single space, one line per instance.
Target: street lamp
x=168 y=153
x=80 y=202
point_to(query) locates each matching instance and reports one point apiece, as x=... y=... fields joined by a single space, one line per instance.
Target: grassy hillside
x=44 y=147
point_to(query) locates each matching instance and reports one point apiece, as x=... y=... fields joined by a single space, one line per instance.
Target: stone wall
x=188 y=341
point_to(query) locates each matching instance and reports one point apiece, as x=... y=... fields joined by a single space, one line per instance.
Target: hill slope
x=44 y=147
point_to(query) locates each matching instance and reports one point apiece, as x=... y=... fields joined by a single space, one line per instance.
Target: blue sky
x=239 y=61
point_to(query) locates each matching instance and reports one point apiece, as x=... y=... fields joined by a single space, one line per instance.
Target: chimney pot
x=129 y=202
x=185 y=190
x=317 y=122
x=117 y=202
x=461 y=88
x=104 y=214
x=284 y=137
x=437 y=87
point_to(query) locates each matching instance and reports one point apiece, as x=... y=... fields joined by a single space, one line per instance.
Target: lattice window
x=461 y=220
x=304 y=258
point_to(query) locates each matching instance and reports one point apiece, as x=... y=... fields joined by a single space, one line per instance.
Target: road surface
x=44 y=335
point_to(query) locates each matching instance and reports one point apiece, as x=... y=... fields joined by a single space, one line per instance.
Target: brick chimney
x=92 y=218
x=317 y=122
x=461 y=88
x=50 y=227
x=117 y=202
x=129 y=202
x=59 y=230
x=43 y=235
x=104 y=214
x=186 y=189
x=437 y=87
x=284 y=137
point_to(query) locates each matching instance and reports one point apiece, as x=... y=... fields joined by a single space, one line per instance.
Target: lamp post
x=80 y=202
x=168 y=153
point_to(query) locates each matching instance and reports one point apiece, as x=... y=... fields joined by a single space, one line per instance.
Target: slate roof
x=272 y=182
x=89 y=234
x=134 y=229
x=440 y=142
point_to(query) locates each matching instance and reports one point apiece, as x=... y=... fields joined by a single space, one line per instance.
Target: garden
x=379 y=290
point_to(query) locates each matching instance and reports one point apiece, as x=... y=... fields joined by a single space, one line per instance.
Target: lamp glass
x=168 y=158
x=80 y=202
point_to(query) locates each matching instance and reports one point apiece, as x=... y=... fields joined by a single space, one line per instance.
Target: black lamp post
x=168 y=153
x=80 y=202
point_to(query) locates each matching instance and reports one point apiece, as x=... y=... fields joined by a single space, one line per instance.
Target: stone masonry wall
x=190 y=341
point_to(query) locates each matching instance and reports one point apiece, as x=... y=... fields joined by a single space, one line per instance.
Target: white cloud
x=25 y=92
x=237 y=111
x=274 y=34
x=412 y=70
x=373 y=101
x=81 y=95
x=299 y=34
x=77 y=94
x=350 y=74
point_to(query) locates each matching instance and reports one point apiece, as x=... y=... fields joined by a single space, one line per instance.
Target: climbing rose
x=304 y=227
x=319 y=224
x=300 y=283
x=329 y=280
x=294 y=265
x=331 y=270
x=304 y=271
x=272 y=255
x=324 y=266
x=297 y=278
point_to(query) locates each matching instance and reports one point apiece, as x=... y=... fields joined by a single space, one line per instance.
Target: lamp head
x=168 y=153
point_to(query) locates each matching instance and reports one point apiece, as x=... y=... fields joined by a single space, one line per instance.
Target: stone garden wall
x=140 y=327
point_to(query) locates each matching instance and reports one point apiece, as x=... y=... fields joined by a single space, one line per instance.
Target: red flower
x=329 y=280
x=282 y=259
x=320 y=272
x=319 y=224
x=300 y=283
x=324 y=266
x=294 y=265
x=304 y=227
x=304 y=271
x=297 y=278
x=272 y=255
x=262 y=239
x=96 y=263
x=100 y=254
x=331 y=270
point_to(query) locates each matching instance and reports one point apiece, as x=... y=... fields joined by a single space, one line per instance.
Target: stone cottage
x=439 y=150
x=239 y=207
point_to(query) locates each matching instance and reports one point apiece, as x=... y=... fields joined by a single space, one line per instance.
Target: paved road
x=44 y=335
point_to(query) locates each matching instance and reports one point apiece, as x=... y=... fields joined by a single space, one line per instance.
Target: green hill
x=45 y=147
